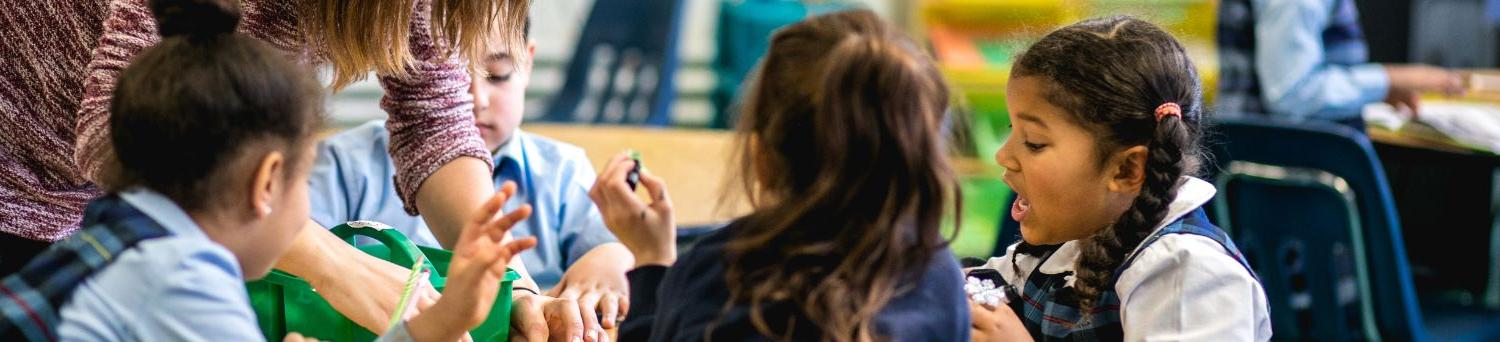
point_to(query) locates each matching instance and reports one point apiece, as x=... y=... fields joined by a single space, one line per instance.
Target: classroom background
x=1391 y=233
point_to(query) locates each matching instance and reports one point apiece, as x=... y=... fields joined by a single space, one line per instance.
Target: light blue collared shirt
x=1296 y=76
x=182 y=287
x=352 y=180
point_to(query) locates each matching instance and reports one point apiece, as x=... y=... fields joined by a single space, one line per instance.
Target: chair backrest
x=623 y=70
x=1309 y=206
x=743 y=36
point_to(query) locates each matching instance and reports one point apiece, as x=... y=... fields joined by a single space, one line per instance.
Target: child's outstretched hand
x=474 y=275
x=649 y=231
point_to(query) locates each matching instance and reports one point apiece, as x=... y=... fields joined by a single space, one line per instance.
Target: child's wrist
x=656 y=258
x=434 y=324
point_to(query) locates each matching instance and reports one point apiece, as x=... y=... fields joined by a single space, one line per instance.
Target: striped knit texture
x=61 y=59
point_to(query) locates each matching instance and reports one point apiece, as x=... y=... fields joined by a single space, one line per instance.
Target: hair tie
x=1168 y=109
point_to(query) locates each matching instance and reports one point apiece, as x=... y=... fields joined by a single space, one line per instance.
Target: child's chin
x=1034 y=237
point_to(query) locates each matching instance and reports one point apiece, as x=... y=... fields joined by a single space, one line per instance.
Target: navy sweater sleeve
x=644 y=282
x=687 y=303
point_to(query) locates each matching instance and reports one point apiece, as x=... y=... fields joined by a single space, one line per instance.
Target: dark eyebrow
x=1032 y=118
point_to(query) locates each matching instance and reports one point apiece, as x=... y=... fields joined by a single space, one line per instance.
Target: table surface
x=694 y=162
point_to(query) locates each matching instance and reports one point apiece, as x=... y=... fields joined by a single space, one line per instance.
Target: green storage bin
x=285 y=303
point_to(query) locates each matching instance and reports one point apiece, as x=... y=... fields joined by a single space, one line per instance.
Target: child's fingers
x=486 y=213
x=517 y=246
x=598 y=190
x=507 y=189
x=624 y=307
x=617 y=194
x=657 y=188
x=586 y=307
x=609 y=308
x=979 y=315
x=563 y=314
x=615 y=175
x=618 y=165
x=497 y=228
x=499 y=259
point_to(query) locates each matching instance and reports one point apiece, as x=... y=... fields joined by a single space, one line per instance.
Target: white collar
x=1191 y=194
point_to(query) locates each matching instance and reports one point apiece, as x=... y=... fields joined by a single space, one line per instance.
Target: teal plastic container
x=285 y=303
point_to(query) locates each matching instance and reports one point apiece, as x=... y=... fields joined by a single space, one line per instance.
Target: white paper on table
x=1471 y=124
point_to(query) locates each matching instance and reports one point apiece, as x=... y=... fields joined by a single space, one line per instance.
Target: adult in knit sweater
x=61 y=59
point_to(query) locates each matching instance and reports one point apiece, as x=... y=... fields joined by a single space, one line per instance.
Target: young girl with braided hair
x=1107 y=115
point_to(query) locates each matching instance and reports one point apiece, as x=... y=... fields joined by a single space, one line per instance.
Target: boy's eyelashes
x=497 y=78
x=1033 y=147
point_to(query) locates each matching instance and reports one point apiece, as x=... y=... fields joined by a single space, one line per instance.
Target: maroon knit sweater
x=61 y=59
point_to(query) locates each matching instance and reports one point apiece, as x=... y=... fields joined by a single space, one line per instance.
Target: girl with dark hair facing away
x=1107 y=115
x=846 y=168
x=164 y=255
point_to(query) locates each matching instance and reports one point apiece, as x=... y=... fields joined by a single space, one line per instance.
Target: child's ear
x=1127 y=170
x=265 y=181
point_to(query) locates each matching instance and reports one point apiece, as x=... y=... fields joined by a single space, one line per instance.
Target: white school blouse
x=1183 y=287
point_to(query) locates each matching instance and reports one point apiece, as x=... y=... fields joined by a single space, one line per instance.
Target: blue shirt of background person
x=1307 y=59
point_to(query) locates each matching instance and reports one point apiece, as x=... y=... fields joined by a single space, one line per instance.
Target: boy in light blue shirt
x=576 y=256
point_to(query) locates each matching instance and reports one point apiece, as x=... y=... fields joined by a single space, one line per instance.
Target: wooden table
x=695 y=163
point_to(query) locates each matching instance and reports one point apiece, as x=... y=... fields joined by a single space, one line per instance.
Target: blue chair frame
x=624 y=68
x=1309 y=204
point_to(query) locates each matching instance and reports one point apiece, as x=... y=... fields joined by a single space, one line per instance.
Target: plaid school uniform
x=31 y=298
x=1049 y=308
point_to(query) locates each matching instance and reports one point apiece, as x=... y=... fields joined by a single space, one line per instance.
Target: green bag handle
x=403 y=251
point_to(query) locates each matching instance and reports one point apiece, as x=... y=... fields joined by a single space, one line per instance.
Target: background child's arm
x=1296 y=78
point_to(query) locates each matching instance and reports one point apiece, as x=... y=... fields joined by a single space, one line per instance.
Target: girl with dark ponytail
x=214 y=133
x=1107 y=115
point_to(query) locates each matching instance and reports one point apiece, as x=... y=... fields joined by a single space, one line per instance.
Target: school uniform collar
x=162 y=210
x=510 y=149
x=1192 y=193
x=513 y=150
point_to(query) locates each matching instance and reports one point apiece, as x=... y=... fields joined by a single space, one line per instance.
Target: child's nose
x=477 y=90
x=1006 y=159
